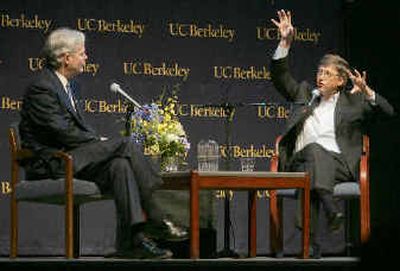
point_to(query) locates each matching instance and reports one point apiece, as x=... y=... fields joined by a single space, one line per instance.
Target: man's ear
x=341 y=82
x=66 y=58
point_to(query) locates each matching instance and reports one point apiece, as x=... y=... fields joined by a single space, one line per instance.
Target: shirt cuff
x=372 y=98
x=280 y=53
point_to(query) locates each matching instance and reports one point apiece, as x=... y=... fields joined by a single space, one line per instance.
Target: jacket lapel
x=338 y=109
x=62 y=94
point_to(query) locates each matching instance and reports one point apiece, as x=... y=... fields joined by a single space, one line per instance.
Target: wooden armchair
x=353 y=189
x=66 y=191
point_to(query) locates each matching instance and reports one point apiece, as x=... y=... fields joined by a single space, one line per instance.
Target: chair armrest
x=69 y=174
x=23 y=154
x=26 y=153
x=63 y=155
x=273 y=166
x=16 y=156
x=364 y=166
x=364 y=192
x=275 y=157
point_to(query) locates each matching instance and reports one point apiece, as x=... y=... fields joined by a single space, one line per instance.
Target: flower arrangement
x=157 y=127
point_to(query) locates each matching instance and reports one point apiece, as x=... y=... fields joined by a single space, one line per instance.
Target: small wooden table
x=238 y=180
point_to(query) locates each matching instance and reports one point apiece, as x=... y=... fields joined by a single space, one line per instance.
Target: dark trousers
x=119 y=168
x=326 y=169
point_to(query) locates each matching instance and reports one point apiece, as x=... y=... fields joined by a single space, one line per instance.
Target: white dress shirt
x=319 y=127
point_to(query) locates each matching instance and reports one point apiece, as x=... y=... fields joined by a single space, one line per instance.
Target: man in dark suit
x=51 y=120
x=324 y=136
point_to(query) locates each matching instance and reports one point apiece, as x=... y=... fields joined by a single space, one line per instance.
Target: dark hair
x=341 y=65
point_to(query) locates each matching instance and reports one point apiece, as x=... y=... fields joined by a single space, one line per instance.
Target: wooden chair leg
x=364 y=219
x=69 y=230
x=69 y=210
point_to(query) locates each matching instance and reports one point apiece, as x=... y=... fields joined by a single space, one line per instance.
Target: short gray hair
x=59 y=42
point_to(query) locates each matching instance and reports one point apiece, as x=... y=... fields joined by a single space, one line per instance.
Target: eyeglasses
x=326 y=73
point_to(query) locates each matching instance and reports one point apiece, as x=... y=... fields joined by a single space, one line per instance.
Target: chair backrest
x=14 y=138
x=16 y=151
x=16 y=154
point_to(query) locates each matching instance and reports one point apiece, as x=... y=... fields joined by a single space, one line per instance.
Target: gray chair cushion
x=347 y=190
x=53 y=191
x=341 y=190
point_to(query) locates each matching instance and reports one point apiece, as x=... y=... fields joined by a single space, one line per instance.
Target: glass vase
x=170 y=163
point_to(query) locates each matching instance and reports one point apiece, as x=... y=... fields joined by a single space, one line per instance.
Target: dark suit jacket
x=49 y=123
x=352 y=113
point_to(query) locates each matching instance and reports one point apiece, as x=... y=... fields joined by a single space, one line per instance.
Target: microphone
x=315 y=94
x=114 y=87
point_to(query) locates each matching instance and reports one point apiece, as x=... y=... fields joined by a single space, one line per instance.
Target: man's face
x=75 y=61
x=328 y=80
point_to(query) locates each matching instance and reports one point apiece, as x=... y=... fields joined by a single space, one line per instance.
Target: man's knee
x=127 y=148
x=313 y=148
x=120 y=164
x=316 y=153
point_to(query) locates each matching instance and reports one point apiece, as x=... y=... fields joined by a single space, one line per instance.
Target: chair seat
x=347 y=190
x=53 y=191
x=341 y=190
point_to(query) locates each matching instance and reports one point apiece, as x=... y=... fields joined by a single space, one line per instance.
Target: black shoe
x=335 y=221
x=148 y=249
x=166 y=231
x=142 y=248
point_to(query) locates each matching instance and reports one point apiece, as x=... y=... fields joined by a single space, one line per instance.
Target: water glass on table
x=247 y=163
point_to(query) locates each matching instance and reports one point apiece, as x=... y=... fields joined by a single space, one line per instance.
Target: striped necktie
x=70 y=96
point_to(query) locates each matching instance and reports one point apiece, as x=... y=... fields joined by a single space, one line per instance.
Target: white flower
x=171 y=138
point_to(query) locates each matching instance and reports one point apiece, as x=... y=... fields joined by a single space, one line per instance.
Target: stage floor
x=258 y=263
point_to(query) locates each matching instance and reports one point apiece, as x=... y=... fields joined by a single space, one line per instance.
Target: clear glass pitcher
x=207 y=155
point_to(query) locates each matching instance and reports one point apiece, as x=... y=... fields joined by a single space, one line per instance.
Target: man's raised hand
x=285 y=27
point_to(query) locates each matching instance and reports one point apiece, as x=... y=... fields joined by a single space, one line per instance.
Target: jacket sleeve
x=381 y=108
x=49 y=121
x=286 y=84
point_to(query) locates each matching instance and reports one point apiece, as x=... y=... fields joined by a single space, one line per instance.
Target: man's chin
x=78 y=72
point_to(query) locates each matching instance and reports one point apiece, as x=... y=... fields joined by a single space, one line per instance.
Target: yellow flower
x=158 y=128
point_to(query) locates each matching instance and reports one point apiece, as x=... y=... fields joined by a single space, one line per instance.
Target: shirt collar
x=333 y=98
x=63 y=79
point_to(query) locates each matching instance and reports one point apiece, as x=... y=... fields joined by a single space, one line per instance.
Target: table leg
x=306 y=218
x=252 y=238
x=194 y=219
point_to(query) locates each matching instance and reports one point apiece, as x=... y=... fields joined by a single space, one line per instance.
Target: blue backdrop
x=217 y=52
